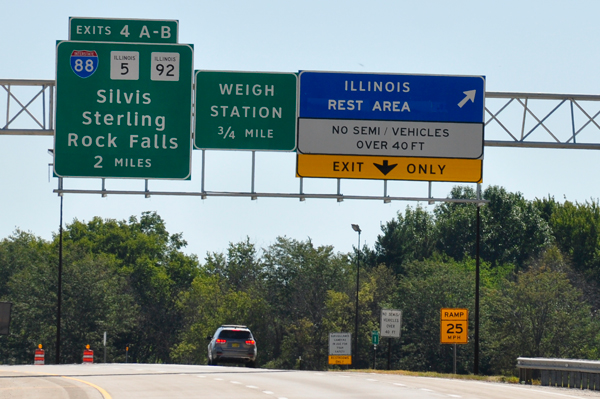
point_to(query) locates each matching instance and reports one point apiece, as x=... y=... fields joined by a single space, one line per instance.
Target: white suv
x=232 y=344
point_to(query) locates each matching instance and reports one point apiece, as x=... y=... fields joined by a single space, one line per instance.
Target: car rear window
x=234 y=334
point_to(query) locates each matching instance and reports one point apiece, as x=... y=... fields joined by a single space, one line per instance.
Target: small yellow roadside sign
x=454 y=326
x=340 y=359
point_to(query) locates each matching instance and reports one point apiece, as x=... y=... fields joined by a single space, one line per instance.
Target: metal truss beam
x=524 y=120
x=302 y=196
x=541 y=120
x=28 y=103
x=527 y=120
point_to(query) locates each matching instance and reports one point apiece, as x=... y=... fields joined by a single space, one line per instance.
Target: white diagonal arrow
x=470 y=95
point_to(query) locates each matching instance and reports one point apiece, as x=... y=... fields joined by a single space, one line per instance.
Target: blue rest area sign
x=393 y=97
x=391 y=115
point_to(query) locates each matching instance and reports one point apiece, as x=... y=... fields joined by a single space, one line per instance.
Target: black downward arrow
x=385 y=168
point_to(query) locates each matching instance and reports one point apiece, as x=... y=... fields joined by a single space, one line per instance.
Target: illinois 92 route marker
x=391 y=116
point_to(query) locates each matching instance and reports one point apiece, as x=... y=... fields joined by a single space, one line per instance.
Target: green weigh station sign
x=246 y=111
x=123 y=110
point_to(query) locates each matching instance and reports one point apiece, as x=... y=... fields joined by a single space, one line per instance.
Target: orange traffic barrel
x=39 y=356
x=88 y=355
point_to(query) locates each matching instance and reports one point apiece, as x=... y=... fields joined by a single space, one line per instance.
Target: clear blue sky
x=531 y=46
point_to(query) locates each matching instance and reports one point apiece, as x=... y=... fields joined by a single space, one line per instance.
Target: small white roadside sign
x=391 y=323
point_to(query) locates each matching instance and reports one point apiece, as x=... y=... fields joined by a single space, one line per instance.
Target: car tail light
x=250 y=342
x=220 y=341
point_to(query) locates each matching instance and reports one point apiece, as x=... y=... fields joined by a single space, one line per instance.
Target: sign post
x=391 y=326
x=454 y=326
x=123 y=110
x=5 y=308
x=375 y=340
x=340 y=348
x=391 y=126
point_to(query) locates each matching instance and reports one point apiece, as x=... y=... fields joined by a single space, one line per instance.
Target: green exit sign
x=123 y=30
x=375 y=337
x=246 y=111
x=123 y=110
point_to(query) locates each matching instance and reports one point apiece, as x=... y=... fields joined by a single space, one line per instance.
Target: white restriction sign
x=390 y=138
x=340 y=344
x=391 y=323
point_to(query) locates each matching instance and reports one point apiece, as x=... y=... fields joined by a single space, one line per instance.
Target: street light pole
x=356 y=228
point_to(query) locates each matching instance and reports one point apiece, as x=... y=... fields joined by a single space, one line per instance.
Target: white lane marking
x=251 y=386
x=398 y=384
x=427 y=390
x=201 y=376
x=281 y=397
x=344 y=376
x=218 y=379
x=235 y=382
x=508 y=387
x=454 y=396
x=371 y=379
x=268 y=392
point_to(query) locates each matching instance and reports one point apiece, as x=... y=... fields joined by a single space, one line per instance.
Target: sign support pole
x=355 y=357
x=476 y=360
x=454 y=368
x=389 y=353
x=59 y=293
x=374 y=356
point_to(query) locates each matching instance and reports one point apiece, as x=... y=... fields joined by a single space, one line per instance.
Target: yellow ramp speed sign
x=454 y=326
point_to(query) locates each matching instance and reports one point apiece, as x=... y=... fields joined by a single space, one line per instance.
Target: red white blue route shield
x=84 y=62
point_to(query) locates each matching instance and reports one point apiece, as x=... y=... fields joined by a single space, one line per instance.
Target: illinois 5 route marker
x=123 y=110
x=391 y=116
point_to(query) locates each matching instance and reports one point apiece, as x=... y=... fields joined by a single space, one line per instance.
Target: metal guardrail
x=566 y=373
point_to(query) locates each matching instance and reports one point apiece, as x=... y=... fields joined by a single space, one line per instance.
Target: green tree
x=156 y=271
x=426 y=288
x=409 y=237
x=228 y=290
x=539 y=315
x=512 y=228
x=94 y=301
x=298 y=276
x=18 y=251
x=577 y=230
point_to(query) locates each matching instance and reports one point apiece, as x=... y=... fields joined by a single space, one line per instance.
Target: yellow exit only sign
x=389 y=168
x=340 y=359
x=454 y=326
